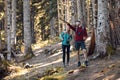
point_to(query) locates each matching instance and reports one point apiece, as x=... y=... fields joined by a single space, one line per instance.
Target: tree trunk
x=32 y=23
x=52 y=23
x=91 y=48
x=112 y=26
x=8 y=24
x=117 y=21
x=67 y=13
x=13 y=29
x=88 y=13
x=52 y=28
x=73 y=17
x=60 y=8
x=32 y=28
x=73 y=11
x=27 y=27
x=94 y=9
x=103 y=37
x=84 y=13
x=0 y=41
x=79 y=10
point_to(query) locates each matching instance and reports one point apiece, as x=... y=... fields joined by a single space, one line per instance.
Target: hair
x=78 y=21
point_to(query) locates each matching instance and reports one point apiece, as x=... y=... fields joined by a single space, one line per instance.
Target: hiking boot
x=86 y=63
x=79 y=64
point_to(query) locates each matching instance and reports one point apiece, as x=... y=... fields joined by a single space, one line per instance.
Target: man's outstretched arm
x=73 y=28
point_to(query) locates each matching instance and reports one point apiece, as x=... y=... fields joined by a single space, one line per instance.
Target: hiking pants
x=64 y=48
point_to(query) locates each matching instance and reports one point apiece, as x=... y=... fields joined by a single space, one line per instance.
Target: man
x=80 y=37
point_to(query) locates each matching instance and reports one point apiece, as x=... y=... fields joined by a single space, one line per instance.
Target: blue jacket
x=66 y=38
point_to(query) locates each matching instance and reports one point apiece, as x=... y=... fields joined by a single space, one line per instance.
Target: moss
x=54 y=77
x=54 y=74
x=49 y=78
x=51 y=71
x=110 y=50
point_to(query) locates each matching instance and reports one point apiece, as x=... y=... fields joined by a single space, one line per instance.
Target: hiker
x=80 y=37
x=66 y=38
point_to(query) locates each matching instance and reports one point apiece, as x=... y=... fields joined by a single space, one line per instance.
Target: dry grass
x=16 y=72
x=60 y=76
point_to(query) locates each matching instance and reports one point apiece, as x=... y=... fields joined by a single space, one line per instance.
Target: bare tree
x=103 y=37
x=8 y=27
x=27 y=27
x=79 y=10
x=13 y=28
x=84 y=12
x=73 y=11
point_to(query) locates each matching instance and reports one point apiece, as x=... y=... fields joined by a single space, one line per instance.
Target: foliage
x=44 y=11
x=41 y=44
x=41 y=10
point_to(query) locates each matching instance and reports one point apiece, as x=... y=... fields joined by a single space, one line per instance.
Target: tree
x=13 y=28
x=73 y=11
x=8 y=27
x=27 y=27
x=63 y=7
x=52 y=23
x=88 y=13
x=67 y=13
x=103 y=37
x=91 y=48
x=79 y=10
x=84 y=12
x=94 y=9
x=32 y=22
x=117 y=21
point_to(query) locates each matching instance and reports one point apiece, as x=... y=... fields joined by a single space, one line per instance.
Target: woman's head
x=67 y=30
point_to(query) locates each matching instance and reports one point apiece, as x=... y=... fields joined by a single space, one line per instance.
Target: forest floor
x=41 y=64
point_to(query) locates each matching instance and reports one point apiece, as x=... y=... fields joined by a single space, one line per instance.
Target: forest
x=30 y=44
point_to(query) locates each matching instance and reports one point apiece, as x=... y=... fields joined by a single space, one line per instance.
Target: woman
x=66 y=38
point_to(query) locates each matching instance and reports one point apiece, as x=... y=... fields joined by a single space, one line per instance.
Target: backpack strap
x=82 y=29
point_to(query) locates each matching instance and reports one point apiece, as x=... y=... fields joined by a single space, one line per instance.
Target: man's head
x=77 y=23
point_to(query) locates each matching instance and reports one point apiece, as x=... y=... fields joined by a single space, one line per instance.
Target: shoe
x=86 y=63
x=67 y=64
x=79 y=64
x=64 y=65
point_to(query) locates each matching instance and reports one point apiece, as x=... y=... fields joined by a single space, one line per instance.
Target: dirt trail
x=99 y=69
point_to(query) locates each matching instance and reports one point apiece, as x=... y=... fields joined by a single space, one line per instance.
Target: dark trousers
x=64 y=48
